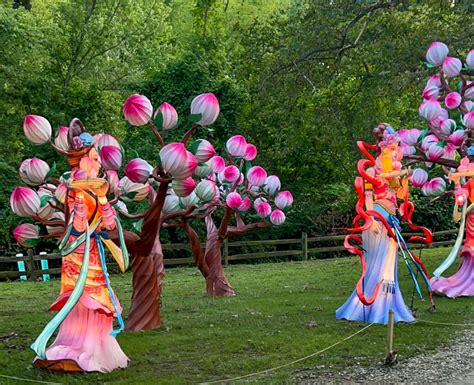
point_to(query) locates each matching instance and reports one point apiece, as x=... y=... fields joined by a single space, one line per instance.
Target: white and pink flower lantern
x=470 y=59
x=138 y=170
x=61 y=139
x=283 y=200
x=111 y=157
x=207 y=106
x=245 y=205
x=263 y=209
x=183 y=187
x=204 y=170
x=436 y=53
x=236 y=146
x=447 y=126
x=231 y=173
x=137 y=110
x=37 y=129
x=434 y=187
x=468 y=120
x=409 y=137
x=217 y=164
x=34 y=171
x=434 y=81
x=171 y=204
x=190 y=200
x=203 y=150
x=257 y=176
x=176 y=160
x=457 y=137
x=233 y=200
x=452 y=66
x=429 y=109
x=250 y=152
x=277 y=217
x=24 y=201
x=206 y=190
x=272 y=185
x=169 y=116
x=453 y=100
x=435 y=152
x=431 y=92
x=102 y=140
x=27 y=235
x=133 y=191
x=60 y=193
x=419 y=177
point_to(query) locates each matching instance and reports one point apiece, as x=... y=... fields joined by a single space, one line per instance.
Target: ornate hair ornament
x=389 y=136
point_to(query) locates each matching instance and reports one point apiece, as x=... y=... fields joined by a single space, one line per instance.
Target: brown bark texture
x=217 y=283
x=148 y=270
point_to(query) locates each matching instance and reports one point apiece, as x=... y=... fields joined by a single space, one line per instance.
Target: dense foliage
x=302 y=79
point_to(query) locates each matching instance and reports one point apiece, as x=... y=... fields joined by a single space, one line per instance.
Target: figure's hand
x=460 y=195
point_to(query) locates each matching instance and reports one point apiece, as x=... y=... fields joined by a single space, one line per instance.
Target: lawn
x=283 y=311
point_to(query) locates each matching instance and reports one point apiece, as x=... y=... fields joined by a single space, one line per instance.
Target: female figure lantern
x=462 y=282
x=382 y=181
x=86 y=305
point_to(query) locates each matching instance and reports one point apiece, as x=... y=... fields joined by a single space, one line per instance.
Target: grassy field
x=283 y=311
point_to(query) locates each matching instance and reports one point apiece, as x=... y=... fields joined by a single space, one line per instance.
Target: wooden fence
x=297 y=248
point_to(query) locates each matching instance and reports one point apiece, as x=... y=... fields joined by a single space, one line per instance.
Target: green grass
x=283 y=311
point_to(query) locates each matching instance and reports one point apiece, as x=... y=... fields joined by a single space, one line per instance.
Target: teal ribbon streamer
x=100 y=246
x=446 y=264
x=39 y=346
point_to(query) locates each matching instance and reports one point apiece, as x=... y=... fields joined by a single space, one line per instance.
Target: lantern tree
x=448 y=109
x=185 y=185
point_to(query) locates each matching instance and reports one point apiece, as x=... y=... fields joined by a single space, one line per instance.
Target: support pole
x=391 y=358
x=31 y=266
x=304 y=245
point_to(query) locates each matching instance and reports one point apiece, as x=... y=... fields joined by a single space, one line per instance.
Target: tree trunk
x=216 y=281
x=148 y=274
x=198 y=252
x=148 y=270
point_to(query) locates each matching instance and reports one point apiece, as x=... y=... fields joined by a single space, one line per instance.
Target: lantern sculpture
x=381 y=184
x=76 y=211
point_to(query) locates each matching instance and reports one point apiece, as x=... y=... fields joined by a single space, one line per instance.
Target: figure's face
x=90 y=163
x=395 y=151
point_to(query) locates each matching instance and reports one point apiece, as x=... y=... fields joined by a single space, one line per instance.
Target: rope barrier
x=289 y=363
x=442 y=323
x=28 y=380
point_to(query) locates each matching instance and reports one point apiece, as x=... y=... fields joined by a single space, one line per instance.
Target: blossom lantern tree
x=448 y=109
x=184 y=185
x=192 y=185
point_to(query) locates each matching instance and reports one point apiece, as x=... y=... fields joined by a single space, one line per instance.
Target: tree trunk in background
x=198 y=252
x=216 y=281
x=148 y=270
x=148 y=274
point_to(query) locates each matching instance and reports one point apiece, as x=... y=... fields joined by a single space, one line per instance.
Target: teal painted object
x=44 y=266
x=21 y=268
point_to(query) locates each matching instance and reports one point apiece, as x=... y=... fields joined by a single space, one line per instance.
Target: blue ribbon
x=395 y=222
x=98 y=235
x=100 y=246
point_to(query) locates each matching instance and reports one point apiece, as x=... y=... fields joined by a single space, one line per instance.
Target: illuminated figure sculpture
x=382 y=181
x=87 y=304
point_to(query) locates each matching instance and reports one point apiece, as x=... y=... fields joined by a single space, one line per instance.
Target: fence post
x=21 y=267
x=44 y=266
x=304 y=246
x=31 y=266
x=226 y=252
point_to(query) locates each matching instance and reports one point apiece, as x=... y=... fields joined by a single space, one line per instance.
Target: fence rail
x=302 y=250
